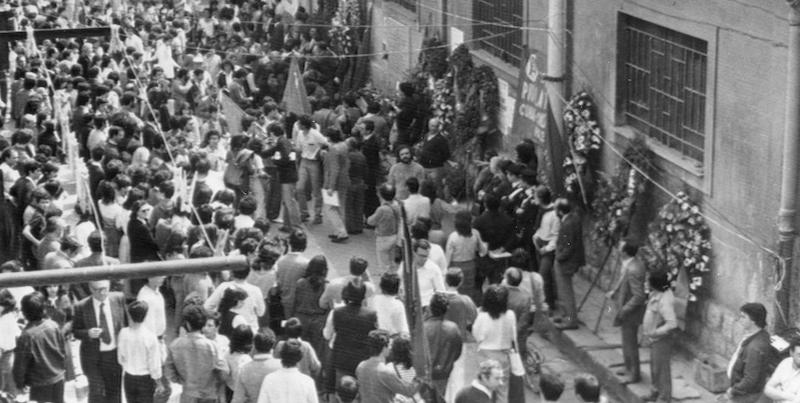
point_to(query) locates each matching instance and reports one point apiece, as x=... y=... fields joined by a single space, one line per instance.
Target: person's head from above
x=521 y=259
x=400 y=351
x=390 y=283
x=495 y=301
x=421 y=249
x=629 y=248
x=386 y=192
x=137 y=311
x=378 y=342
x=211 y=325
x=263 y=341
x=551 y=387
x=434 y=125
x=753 y=316
x=490 y=375
x=33 y=306
x=439 y=304
x=491 y=202
x=659 y=281
x=7 y=301
x=420 y=229
x=412 y=184
x=194 y=317
x=513 y=277
x=241 y=339
x=293 y=328
x=405 y=154
x=563 y=207
x=454 y=277
x=291 y=353
x=141 y=211
x=354 y=292
x=358 y=265
x=298 y=240
x=587 y=388
x=100 y=289
x=347 y=389
x=10 y=157
x=232 y=298
x=543 y=195
x=305 y=123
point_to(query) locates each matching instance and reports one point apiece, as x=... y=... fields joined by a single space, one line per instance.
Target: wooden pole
x=596 y=278
x=123 y=271
x=422 y=361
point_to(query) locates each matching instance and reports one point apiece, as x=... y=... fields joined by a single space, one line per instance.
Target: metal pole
x=556 y=54
x=791 y=148
x=123 y=271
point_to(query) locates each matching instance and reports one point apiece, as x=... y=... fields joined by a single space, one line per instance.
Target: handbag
x=515 y=361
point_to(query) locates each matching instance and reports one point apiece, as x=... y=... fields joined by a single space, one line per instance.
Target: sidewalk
x=601 y=354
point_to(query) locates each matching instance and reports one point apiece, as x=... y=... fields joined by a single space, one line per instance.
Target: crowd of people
x=170 y=177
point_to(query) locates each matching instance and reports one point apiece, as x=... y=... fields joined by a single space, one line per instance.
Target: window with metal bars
x=662 y=85
x=499 y=22
x=409 y=4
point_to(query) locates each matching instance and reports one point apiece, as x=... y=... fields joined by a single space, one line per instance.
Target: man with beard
x=402 y=170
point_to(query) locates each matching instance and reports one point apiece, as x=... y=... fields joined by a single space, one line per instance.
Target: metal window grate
x=501 y=15
x=663 y=85
x=409 y=4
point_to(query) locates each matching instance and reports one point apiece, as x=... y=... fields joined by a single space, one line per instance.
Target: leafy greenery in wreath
x=433 y=57
x=680 y=239
x=583 y=134
x=616 y=198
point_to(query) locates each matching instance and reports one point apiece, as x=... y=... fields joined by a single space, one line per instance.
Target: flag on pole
x=295 y=97
x=232 y=112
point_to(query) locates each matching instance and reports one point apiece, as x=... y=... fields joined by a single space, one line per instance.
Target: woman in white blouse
x=109 y=210
x=495 y=330
x=463 y=246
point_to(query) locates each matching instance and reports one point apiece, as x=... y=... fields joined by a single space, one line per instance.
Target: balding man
x=435 y=152
x=97 y=322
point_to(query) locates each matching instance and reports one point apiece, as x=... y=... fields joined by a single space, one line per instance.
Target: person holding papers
x=336 y=165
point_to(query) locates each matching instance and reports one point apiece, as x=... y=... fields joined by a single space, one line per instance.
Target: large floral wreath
x=583 y=134
x=680 y=240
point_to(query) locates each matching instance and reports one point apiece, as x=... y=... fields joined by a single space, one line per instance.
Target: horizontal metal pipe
x=123 y=271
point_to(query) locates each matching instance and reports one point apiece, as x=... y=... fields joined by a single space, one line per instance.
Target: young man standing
x=139 y=354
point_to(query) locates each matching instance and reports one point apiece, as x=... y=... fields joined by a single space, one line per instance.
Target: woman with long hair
x=400 y=361
x=241 y=343
x=495 y=331
x=464 y=245
x=306 y=303
x=109 y=211
x=232 y=299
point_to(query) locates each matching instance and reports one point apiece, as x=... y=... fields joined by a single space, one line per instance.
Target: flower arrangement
x=580 y=124
x=680 y=240
x=342 y=35
x=443 y=101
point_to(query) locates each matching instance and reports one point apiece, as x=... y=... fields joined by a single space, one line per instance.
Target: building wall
x=396 y=39
x=739 y=186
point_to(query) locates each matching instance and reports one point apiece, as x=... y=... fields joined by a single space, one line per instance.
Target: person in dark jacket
x=406 y=119
x=42 y=358
x=371 y=148
x=348 y=327
x=285 y=158
x=630 y=298
x=482 y=390
x=444 y=340
x=495 y=228
x=354 y=201
x=570 y=256
x=751 y=364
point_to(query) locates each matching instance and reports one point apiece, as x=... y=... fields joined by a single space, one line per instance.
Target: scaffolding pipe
x=123 y=271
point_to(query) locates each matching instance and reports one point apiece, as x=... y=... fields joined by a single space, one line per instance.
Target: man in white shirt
x=288 y=384
x=390 y=309
x=8 y=167
x=544 y=240
x=429 y=275
x=253 y=306
x=311 y=143
x=139 y=354
x=156 y=319
x=784 y=384
x=416 y=205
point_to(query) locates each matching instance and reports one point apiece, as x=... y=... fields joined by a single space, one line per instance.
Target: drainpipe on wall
x=556 y=56
x=787 y=214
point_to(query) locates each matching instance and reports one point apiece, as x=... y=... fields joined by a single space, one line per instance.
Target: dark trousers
x=105 y=378
x=547 y=271
x=48 y=393
x=371 y=202
x=630 y=348
x=566 y=295
x=139 y=388
x=660 y=368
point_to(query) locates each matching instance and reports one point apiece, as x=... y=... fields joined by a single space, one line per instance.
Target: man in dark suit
x=483 y=389
x=372 y=152
x=22 y=190
x=629 y=296
x=97 y=322
x=349 y=329
x=752 y=363
x=569 y=258
x=336 y=182
x=96 y=172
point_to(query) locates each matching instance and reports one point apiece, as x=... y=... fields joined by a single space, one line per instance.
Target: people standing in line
x=630 y=297
x=310 y=143
x=569 y=257
x=495 y=331
x=386 y=220
x=750 y=364
x=444 y=342
x=97 y=322
x=402 y=170
x=139 y=355
x=658 y=326
x=290 y=268
x=42 y=357
x=484 y=389
x=336 y=182
x=544 y=241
